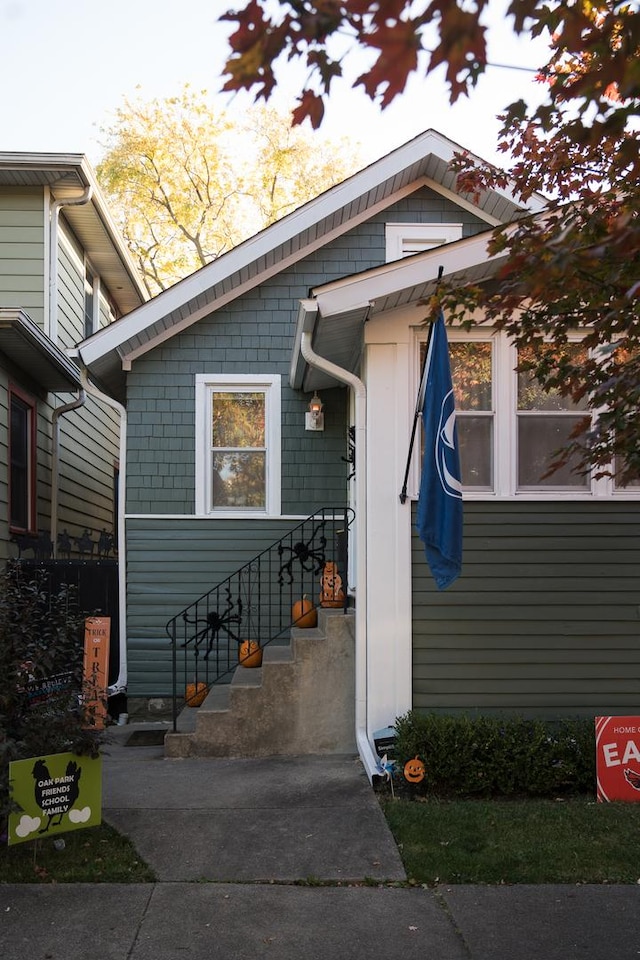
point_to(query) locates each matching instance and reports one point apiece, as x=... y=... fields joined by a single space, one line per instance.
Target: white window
x=404 y=239
x=238 y=445
x=510 y=430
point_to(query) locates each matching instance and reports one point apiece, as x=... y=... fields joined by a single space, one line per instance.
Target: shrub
x=489 y=756
x=41 y=637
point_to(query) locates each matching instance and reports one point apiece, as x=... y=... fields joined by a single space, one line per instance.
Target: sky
x=67 y=65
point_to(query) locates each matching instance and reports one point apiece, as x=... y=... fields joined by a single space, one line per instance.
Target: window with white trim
x=404 y=239
x=509 y=429
x=238 y=445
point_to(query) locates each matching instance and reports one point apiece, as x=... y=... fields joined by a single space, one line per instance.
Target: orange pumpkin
x=195 y=694
x=304 y=614
x=250 y=653
x=414 y=770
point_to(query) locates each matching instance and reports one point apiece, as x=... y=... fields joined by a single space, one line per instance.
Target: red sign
x=618 y=758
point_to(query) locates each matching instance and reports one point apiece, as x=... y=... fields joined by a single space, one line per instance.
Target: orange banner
x=97 y=632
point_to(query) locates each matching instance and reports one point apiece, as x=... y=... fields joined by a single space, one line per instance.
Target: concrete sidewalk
x=240 y=848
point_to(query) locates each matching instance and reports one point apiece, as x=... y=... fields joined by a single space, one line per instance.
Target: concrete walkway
x=239 y=848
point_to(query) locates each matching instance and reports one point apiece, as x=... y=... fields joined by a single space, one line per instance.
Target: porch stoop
x=300 y=701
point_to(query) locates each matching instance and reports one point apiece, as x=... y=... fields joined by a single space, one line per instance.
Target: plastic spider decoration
x=215 y=622
x=310 y=554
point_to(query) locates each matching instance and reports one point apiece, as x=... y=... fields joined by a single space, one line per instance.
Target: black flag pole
x=419 y=404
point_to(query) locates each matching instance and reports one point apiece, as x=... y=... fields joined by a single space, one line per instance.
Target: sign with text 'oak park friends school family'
x=54 y=794
x=618 y=758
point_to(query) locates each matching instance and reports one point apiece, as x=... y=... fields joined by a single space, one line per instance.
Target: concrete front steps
x=300 y=701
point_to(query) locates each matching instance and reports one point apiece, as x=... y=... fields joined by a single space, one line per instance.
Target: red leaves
x=399 y=44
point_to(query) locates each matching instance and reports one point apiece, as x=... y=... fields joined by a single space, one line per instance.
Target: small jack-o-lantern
x=414 y=770
x=195 y=694
x=250 y=654
x=304 y=614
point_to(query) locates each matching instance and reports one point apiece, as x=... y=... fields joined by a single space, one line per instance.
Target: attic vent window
x=405 y=239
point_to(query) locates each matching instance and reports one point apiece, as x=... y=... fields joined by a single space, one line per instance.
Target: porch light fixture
x=314 y=417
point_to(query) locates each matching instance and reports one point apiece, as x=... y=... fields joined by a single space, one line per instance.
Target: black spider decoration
x=308 y=553
x=214 y=622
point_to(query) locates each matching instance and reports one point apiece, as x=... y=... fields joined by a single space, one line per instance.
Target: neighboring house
x=64 y=274
x=544 y=618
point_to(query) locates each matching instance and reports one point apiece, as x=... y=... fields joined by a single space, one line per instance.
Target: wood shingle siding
x=545 y=619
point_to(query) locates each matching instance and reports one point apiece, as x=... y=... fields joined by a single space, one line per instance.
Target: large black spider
x=310 y=555
x=214 y=622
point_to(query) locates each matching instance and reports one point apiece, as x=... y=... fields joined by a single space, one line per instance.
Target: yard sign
x=618 y=758
x=54 y=794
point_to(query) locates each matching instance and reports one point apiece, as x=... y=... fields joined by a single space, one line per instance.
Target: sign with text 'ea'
x=54 y=794
x=618 y=758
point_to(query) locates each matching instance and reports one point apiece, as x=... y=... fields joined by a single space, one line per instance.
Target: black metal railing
x=255 y=603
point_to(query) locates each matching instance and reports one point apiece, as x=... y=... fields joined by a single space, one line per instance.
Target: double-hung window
x=511 y=430
x=22 y=461
x=238 y=444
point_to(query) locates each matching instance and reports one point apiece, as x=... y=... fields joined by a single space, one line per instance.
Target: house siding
x=170 y=563
x=252 y=335
x=22 y=246
x=545 y=619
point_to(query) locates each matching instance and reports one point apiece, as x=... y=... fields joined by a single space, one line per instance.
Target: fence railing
x=254 y=604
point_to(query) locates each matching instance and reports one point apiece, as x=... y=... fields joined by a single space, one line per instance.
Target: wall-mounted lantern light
x=314 y=417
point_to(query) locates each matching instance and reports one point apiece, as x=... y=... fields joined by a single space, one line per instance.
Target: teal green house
x=329 y=303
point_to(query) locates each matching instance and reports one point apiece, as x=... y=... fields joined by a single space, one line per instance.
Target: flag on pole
x=439 y=519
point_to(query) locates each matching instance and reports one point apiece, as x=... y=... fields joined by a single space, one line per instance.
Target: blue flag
x=439 y=520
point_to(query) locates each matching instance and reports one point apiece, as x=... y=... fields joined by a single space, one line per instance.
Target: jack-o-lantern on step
x=250 y=653
x=304 y=614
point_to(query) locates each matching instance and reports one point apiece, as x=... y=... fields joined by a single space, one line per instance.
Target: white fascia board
x=354 y=292
x=328 y=203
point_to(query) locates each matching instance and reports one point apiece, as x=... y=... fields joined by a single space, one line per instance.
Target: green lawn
x=96 y=855
x=516 y=841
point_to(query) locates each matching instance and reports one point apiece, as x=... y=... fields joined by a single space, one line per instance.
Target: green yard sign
x=54 y=794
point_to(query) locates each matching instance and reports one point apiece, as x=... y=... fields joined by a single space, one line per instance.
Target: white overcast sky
x=66 y=65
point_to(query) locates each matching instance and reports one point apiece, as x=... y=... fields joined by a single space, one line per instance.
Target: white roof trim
x=362 y=289
x=328 y=203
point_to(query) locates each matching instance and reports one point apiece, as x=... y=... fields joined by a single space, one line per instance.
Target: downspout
x=55 y=462
x=54 y=218
x=120 y=685
x=367 y=754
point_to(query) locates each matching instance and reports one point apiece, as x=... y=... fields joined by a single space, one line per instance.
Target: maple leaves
x=397 y=32
x=577 y=266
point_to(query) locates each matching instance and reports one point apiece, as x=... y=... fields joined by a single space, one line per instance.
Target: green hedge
x=488 y=756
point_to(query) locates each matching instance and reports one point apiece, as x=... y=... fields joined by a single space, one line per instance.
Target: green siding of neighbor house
x=89 y=436
x=170 y=563
x=22 y=244
x=545 y=619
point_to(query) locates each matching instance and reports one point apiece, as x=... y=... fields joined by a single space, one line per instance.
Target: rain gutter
x=120 y=685
x=56 y=206
x=366 y=751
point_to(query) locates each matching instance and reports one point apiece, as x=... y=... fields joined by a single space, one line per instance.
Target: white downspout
x=55 y=462
x=120 y=685
x=54 y=217
x=366 y=751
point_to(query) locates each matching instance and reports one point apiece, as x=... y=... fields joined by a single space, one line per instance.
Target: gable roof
x=66 y=174
x=423 y=161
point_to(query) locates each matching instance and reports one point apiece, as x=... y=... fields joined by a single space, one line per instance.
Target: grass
x=516 y=841
x=96 y=855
